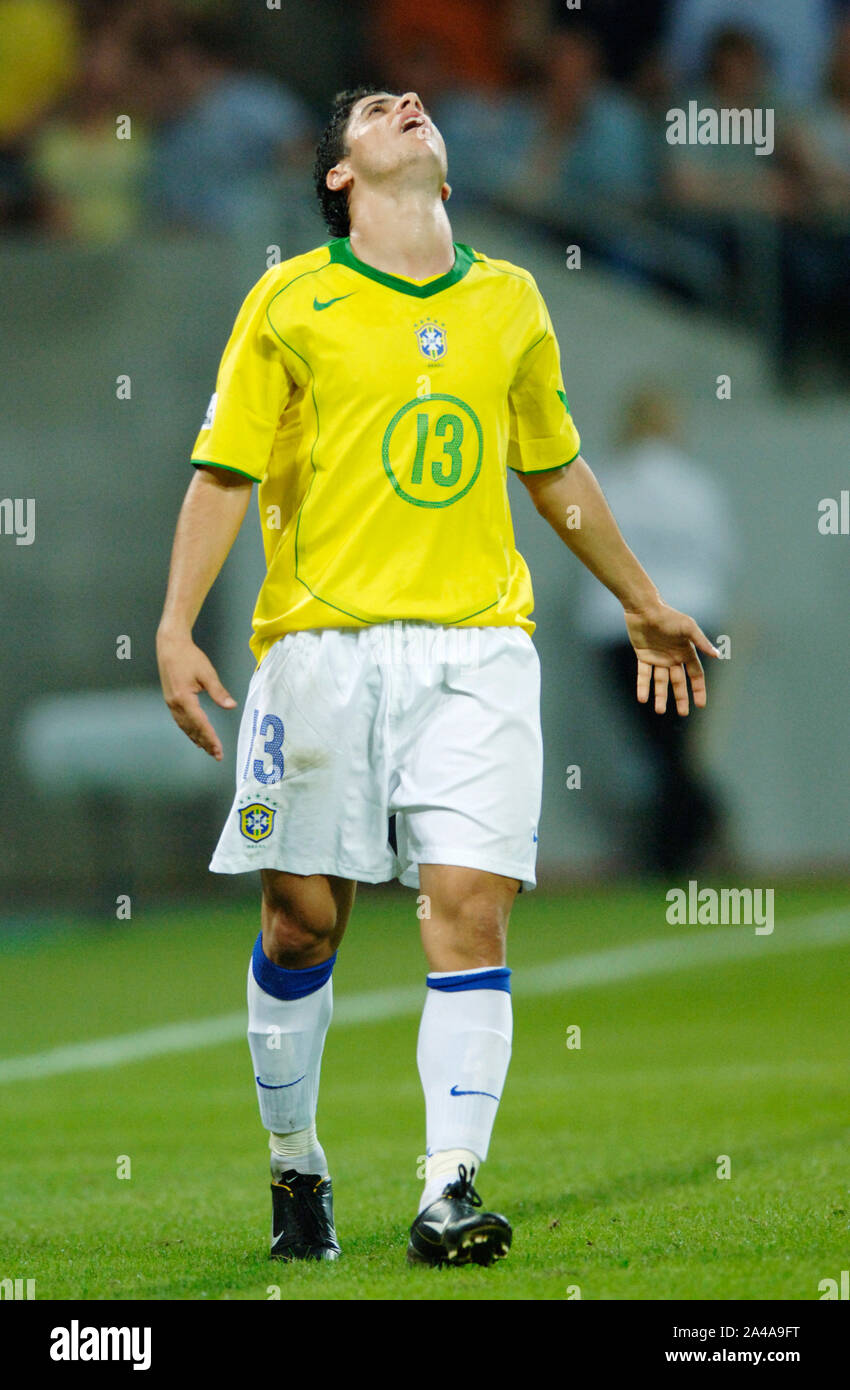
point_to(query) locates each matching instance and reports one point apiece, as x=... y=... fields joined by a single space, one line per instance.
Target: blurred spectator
x=676 y=518
x=816 y=245
x=471 y=35
x=38 y=54
x=731 y=177
x=725 y=199
x=90 y=172
x=223 y=132
x=823 y=134
x=628 y=33
x=38 y=59
x=794 y=33
x=556 y=151
x=589 y=137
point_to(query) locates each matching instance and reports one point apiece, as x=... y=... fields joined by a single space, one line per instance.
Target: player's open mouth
x=412 y=123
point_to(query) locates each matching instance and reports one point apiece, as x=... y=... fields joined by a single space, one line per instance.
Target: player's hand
x=184 y=671
x=666 y=642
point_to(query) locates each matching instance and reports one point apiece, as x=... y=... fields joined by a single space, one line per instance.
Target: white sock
x=463 y=1054
x=300 y=1150
x=441 y=1168
x=289 y=1012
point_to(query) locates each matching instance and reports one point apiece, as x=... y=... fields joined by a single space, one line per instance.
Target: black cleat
x=453 y=1231
x=303 y=1218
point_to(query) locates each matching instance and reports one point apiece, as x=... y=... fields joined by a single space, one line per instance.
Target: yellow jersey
x=379 y=415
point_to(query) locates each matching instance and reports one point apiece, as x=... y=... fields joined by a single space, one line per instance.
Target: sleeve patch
x=210 y=415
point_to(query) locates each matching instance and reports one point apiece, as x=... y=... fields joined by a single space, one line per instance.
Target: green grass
x=604 y=1158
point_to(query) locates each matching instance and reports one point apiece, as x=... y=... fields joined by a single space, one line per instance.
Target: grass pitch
x=605 y=1157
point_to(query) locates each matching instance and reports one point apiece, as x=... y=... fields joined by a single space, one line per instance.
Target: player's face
x=387 y=134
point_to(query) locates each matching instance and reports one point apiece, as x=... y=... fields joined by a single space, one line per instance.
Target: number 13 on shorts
x=267 y=769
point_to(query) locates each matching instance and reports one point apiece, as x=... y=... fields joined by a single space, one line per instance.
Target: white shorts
x=364 y=752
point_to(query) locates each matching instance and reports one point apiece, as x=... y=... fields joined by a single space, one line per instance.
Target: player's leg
x=309 y=800
x=463 y=1053
x=466 y=811
x=290 y=1001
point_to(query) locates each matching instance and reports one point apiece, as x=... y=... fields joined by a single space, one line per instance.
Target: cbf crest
x=256 y=821
x=431 y=337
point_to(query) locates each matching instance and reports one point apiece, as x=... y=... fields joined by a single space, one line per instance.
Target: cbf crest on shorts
x=431 y=337
x=256 y=821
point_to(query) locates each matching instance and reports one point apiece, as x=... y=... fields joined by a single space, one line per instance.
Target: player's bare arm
x=212 y=513
x=666 y=641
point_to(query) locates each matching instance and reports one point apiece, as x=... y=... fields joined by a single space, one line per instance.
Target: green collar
x=342 y=254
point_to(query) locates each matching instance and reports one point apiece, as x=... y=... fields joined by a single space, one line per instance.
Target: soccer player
x=378 y=388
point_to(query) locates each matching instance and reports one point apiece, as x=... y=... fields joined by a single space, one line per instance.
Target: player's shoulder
x=289 y=273
x=515 y=287
x=506 y=274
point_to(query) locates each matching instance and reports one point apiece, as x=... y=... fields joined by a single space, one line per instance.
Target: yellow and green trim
x=342 y=254
x=228 y=467
x=524 y=472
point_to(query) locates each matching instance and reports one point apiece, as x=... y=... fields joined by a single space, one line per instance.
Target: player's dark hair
x=330 y=150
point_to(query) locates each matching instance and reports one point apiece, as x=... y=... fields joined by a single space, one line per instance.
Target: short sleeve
x=542 y=433
x=252 y=390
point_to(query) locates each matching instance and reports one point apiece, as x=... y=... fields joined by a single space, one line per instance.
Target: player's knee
x=298 y=930
x=295 y=942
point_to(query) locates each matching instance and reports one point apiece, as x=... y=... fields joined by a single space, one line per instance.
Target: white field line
x=663 y=956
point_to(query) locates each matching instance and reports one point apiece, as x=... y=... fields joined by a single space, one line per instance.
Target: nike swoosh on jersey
x=318 y=305
x=455 y=1092
x=284 y=1085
